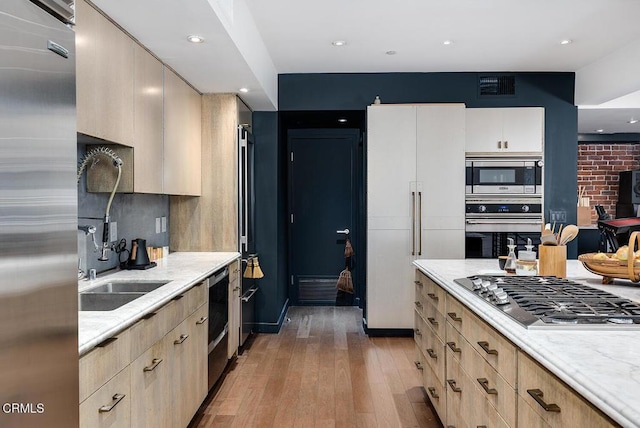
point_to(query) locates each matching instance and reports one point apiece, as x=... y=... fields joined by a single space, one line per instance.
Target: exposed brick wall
x=599 y=165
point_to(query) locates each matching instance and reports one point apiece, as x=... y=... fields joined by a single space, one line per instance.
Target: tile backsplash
x=135 y=215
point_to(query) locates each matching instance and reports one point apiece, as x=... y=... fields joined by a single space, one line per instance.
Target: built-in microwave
x=499 y=176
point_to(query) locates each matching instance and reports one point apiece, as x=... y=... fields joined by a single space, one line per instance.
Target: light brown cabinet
x=105 y=77
x=151 y=377
x=110 y=405
x=545 y=400
x=210 y=222
x=148 y=137
x=488 y=381
x=128 y=97
x=182 y=137
x=159 y=365
x=189 y=383
x=234 y=308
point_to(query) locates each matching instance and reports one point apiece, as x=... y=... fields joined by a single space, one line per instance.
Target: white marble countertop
x=181 y=269
x=602 y=365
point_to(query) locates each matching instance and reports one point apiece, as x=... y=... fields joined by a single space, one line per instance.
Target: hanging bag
x=348 y=249
x=345 y=283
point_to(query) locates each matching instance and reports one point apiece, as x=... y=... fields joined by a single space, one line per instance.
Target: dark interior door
x=322 y=200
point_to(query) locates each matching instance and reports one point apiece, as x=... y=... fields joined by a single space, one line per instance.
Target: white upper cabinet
x=505 y=130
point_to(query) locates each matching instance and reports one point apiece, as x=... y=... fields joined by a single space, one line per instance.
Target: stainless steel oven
x=489 y=222
x=218 y=333
x=504 y=176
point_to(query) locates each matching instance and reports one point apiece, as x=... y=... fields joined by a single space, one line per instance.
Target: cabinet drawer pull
x=418 y=304
x=432 y=321
x=154 y=363
x=116 y=399
x=418 y=283
x=183 y=337
x=432 y=392
x=453 y=347
x=432 y=354
x=481 y=426
x=454 y=316
x=107 y=342
x=178 y=297
x=202 y=320
x=200 y=284
x=537 y=395
x=484 y=383
x=506 y=144
x=433 y=296
x=418 y=365
x=418 y=332
x=453 y=386
x=485 y=347
x=149 y=315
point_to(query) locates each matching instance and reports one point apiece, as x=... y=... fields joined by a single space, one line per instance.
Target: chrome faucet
x=90 y=230
x=117 y=163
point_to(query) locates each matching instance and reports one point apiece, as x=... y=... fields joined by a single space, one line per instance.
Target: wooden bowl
x=613 y=268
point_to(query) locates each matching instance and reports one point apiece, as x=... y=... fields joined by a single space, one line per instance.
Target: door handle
x=419 y=223
x=343 y=232
x=413 y=223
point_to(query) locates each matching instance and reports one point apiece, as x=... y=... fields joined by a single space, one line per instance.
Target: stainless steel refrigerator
x=38 y=217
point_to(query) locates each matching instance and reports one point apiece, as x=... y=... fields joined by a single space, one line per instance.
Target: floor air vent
x=497 y=85
x=319 y=290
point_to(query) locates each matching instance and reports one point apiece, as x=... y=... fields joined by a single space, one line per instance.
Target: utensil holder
x=584 y=216
x=553 y=260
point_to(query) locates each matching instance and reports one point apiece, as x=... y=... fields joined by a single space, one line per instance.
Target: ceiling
x=249 y=42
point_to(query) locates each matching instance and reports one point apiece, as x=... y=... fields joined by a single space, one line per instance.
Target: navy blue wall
x=271 y=232
x=355 y=91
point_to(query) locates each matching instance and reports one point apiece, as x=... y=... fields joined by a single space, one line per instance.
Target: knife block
x=553 y=260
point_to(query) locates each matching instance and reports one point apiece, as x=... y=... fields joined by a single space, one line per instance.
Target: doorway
x=324 y=200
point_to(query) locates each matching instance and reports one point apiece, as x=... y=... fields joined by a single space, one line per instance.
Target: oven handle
x=213 y=280
x=504 y=221
x=252 y=292
x=218 y=339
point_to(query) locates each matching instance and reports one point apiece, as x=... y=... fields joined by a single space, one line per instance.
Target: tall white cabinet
x=415 y=201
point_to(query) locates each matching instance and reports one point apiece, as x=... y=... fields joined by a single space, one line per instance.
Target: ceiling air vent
x=497 y=85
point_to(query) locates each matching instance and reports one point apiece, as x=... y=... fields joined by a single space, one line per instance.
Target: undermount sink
x=105 y=301
x=114 y=294
x=127 y=286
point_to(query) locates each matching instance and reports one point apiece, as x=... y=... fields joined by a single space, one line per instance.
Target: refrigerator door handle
x=243 y=187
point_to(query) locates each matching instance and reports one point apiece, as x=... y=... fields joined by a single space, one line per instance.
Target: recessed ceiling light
x=447 y=42
x=243 y=90
x=566 y=41
x=339 y=43
x=342 y=120
x=391 y=52
x=195 y=39
x=600 y=131
x=633 y=120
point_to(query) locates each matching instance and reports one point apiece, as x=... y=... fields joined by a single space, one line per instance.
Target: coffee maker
x=138 y=256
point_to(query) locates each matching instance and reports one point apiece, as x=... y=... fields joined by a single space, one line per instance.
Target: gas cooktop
x=550 y=302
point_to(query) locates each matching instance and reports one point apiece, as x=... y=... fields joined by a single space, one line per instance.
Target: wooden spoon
x=568 y=234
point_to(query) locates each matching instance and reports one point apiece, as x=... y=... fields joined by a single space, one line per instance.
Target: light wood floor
x=321 y=370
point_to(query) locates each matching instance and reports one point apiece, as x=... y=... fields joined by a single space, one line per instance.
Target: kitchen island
x=181 y=269
x=602 y=365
